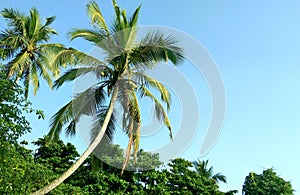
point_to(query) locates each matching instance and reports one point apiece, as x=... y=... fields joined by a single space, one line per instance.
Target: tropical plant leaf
x=156 y=47
x=93 y=36
x=95 y=15
x=85 y=103
x=159 y=109
x=146 y=80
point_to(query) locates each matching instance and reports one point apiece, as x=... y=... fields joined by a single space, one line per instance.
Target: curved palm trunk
x=88 y=151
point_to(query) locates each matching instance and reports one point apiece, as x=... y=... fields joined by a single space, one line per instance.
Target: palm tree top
x=203 y=170
x=25 y=43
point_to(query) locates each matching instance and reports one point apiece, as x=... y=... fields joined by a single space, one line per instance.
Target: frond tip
x=95 y=15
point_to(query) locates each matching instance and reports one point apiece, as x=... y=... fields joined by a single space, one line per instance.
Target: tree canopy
x=267 y=183
x=25 y=46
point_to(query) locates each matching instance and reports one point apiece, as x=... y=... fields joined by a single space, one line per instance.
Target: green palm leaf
x=159 y=109
x=93 y=36
x=156 y=47
x=72 y=74
x=96 y=17
x=146 y=80
x=85 y=103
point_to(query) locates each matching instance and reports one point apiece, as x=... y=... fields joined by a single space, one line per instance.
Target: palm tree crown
x=25 y=45
x=207 y=172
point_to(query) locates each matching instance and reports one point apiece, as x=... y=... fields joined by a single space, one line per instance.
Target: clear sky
x=256 y=45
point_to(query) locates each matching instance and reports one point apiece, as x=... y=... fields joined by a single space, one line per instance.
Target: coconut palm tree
x=25 y=45
x=121 y=78
x=203 y=170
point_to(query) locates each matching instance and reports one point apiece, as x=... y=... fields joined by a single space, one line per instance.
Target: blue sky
x=256 y=45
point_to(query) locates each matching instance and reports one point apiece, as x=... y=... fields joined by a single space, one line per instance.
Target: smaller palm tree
x=25 y=43
x=203 y=170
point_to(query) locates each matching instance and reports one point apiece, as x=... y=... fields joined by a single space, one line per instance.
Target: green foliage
x=205 y=171
x=20 y=174
x=178 y=179
x=24 y=45
x=99 y=182
x=113 y=155
x=107 y=178
x=13 y=105
x=267 y=183
x=185 y=181
x=57 y=156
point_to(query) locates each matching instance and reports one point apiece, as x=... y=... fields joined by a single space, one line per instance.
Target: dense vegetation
x=266 y=183
x=24 y=51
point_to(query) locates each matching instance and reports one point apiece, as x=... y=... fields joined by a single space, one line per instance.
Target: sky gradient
x=256 y=45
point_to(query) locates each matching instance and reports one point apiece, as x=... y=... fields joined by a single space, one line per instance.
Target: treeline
x=24 y=171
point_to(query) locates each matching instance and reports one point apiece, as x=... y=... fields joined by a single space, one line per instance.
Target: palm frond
x=45 y=54
x=33 y=25
x=71 y=128
x=128 y=149
x=131 y=118
x=98 y=121
x=160 y=113
x=15 y=18
x=125 y=30
x=125 y=39
x=59 y=119
x=72 y=74
x=18 y=65
x=146 y=80
x=45 y=31
x=219 y=177
x=49 y=20
x=133 y=20
x=10 y=42
x=26 y=81
x=94 y=36
x=203 y=170
x=117 y=24
x=43 y=69
x=51 y=47
x=85 y=103
x=156 y=47
x=34 y=77
x=137 y=126
x=96 y=16
x=70 y=56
